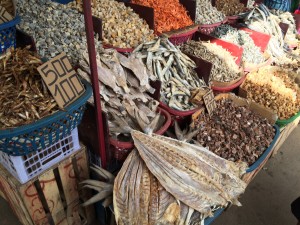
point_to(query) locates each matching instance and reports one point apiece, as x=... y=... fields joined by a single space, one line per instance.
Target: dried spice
x=168 y=14
x=230 y=7
x=272 y=87
x=234 y=132
x=23 y=96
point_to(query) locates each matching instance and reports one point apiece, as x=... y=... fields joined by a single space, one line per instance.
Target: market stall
x=141 y=112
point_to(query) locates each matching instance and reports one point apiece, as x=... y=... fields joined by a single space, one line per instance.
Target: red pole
x=87 y=9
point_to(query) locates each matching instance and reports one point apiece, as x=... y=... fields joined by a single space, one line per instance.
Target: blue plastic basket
x=8 y=34
x=217 y=213
x=45 y=132
x=266 y=153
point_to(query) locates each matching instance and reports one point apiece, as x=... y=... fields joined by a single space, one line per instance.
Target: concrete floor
x=267 y=199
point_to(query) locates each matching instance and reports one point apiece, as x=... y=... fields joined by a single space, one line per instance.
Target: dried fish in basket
x=234 y=132
x=122 y=27
x=24 y=98
x=173 y=69
x=207 y=14
x=224 y=67
x=272 y=87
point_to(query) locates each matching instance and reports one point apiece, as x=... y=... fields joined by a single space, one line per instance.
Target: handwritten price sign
x=4 y=15
x=62 y=80
x=209 y=101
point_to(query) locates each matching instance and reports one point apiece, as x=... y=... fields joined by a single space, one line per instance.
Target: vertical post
x=94 y=78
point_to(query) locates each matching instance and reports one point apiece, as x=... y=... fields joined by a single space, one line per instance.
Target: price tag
x=209 y=101
x=4 y=15
x=62 y=80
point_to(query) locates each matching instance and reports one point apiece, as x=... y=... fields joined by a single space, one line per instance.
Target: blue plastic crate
x=266 y=153
x=29 y=138
x=8 y=34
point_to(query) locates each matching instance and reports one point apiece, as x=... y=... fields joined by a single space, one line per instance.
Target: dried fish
x=195 y=176
x=174 y=69
x=207 y=14
x=23 y=97
x=224 y=67
x=119 y=23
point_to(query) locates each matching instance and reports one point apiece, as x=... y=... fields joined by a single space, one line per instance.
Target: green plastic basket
x=282 y=123
x=41 y=134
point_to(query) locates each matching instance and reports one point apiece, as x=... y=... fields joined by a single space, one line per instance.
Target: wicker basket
x=29 y=138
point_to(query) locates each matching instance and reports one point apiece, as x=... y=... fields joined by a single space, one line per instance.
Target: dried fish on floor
x=207 y=14
x=251 y=53
x=24 y=98
x=169 y=18
x=224 y=67
x=195 y=176
x=272 y=87
x=230 y=7
x=234 y=132
x=122 y=27
x=124 y=83
x=174 y=69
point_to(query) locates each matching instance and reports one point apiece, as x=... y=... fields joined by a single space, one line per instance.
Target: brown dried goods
x=234 y=132
x=23 y=96
x=230 y=7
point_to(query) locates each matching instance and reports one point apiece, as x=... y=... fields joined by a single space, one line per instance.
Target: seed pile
x=224 y=67
x=207 y=14
x=168 y=14
x=251 y=53
x=234 y=132
x=124 y=82
x=174 y=69
x=54 y=27
x=122 y=27
x=230 y=7
x=273 y=88
x=23 y=96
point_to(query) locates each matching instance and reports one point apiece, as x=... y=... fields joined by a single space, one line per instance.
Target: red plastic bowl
x=209 y=28
x=121 y=149
x=178 y=39
x=228 y=88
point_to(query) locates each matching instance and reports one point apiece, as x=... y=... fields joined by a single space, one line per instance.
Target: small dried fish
x=207 y=14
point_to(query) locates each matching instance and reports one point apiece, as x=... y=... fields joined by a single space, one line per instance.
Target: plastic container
x=209 y=28
x=27 y=167
x=183 y=37
x=217 y=213
x=39 y=135
x=229 y=88
x=232 y=19
x=282 y=123
x=63 y=1
x=266 y=152
x=121 y=149
x=8 y=34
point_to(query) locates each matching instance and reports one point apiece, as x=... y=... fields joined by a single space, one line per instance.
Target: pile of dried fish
x=287 y=17
x=272 y=87
x=123 y=86
x=260 y=19
x=224 y=67
x=54 y=27
x=168 y=14
x=121 y=26
x=174 y=69
x=251 y=53
x=230 y=7
x=207 y=14
x=23 y=96
x=234 y=132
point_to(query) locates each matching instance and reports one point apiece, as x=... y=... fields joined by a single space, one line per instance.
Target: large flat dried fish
x=187 y=175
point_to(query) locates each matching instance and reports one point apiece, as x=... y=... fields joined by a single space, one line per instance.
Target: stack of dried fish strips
x=168 y=14
x=122 y=27
x=251 y=53
x=207 y=14
x=174 y=69
x=287 y=17
x=124 y=83
x=234 y=132
x=23 y=96
x=261 y=20
x=54 y=27
x=272 y=87
x=224 y=67
x=230 y=7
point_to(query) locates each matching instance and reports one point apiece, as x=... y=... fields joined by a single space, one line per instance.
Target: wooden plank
x=69 y=183
x=33 y=204
x=52 y=196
